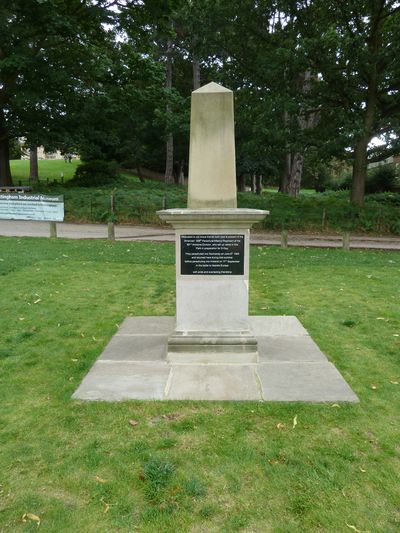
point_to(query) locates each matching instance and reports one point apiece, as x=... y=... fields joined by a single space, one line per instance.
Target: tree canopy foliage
x=313 y=79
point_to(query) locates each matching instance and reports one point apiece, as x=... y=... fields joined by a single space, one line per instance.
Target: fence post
x=164 y=202
x=111 y=231
x=53 y=230
x=346 y=240
x=323 y=221
x=284 y=239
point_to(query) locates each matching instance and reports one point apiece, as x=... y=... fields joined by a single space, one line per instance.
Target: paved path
x=18 y=228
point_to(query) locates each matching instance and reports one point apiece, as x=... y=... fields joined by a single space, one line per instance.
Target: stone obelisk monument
x=211 y=350
x=212 y=243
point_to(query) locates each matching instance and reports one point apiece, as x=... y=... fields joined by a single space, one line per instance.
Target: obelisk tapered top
x=212 y=173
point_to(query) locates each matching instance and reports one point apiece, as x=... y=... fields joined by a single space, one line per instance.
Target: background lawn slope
x=137 y=203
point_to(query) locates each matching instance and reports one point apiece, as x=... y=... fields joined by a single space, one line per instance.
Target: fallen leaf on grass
x=394 y=382
x=31 y=516
x=355 y=529
x=294 y=421
x=74 y=360
x=374 y=387
x=335 y=405
x=170 y=416
x=22 y=318
x=279 y=461
x=362 y=470
x=279 y=425
x=106 y=506
x=133 y=422
x=100 y=479
x=159 y=418
x=396 y=335
x=37 y=301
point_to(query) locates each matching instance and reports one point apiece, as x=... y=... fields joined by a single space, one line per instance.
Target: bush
x=341 y=185
x=94 y=174
x=381 y=179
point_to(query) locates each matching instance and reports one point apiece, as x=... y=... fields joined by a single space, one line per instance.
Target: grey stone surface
x=291 y=368
x=213 y=382
x=124 y=381
x=136 y=348
x=303 y=382
x=267 y=326
x=147 y=325
x=286 y=348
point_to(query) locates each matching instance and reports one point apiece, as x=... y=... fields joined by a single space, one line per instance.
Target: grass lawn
x=193 y=466
x=50 y=169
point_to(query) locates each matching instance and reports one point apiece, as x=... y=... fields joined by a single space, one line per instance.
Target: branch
x=391 y=110
x=381 y=153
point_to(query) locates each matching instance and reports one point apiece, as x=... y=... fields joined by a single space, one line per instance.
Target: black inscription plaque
x=220 y=255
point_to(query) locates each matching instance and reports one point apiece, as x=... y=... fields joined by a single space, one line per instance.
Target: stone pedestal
x=212 y=284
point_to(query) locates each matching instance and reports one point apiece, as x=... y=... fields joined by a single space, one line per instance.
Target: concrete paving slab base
x=291 y=368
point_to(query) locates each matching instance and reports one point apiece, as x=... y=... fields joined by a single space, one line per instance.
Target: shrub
x=94 y=174
x=340 y=185
x=381 y=179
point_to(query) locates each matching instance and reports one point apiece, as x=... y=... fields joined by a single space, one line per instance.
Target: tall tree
x=354 y=48
x=50 y=51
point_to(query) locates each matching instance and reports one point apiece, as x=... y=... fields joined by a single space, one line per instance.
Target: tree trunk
x=5 y=172
x=295 y=175
x=293 y=168
x=169 y=160
x=139 y=172
x=284 y=184
x=33 y=164
x=259 y=185
x=196 y=73
x=241 y=183
x=181 y=175
x=169 y=163
x=359 y=171
x=253 y=183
